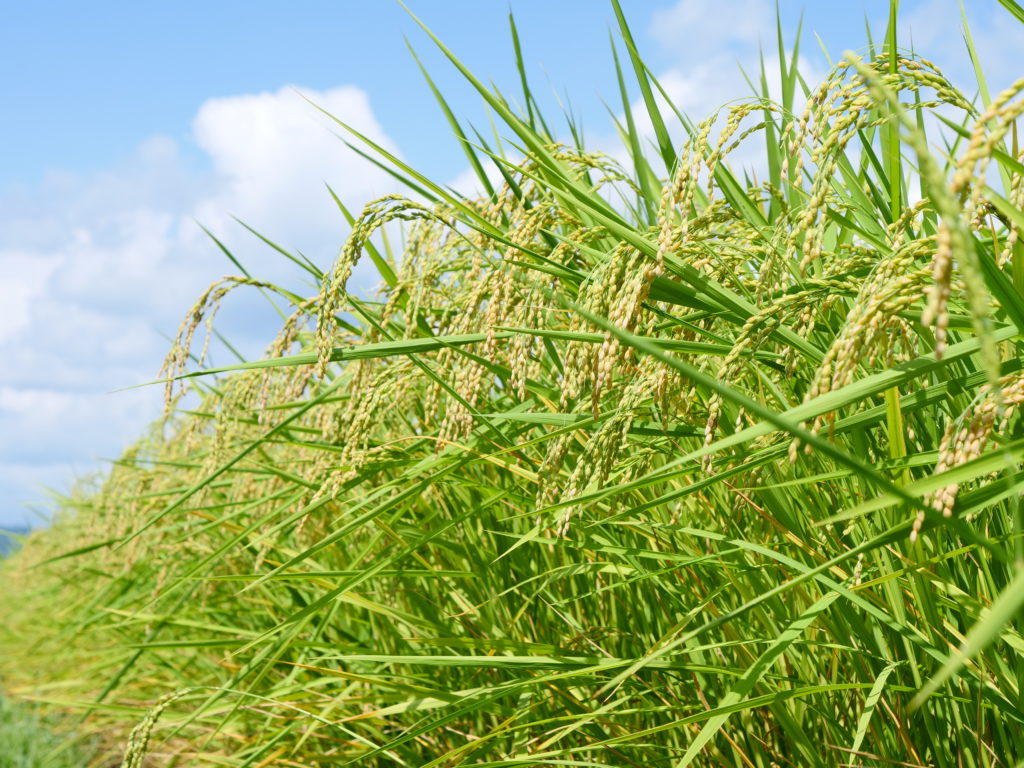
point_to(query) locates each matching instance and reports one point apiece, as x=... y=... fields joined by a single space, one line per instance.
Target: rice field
x=635 y=459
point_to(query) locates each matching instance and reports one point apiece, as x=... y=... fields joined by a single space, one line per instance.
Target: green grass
x=28 y=741
x=628 y=464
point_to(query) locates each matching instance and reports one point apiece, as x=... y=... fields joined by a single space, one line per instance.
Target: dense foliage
x=651 y=463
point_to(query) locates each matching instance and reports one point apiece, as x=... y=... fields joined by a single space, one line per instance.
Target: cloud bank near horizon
x=98 y=270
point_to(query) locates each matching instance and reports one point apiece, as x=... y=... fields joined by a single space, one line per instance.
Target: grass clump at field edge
x=28 y=741
x=650 y=463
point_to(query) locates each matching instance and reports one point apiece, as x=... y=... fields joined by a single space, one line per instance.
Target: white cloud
x=273 y=152
x=709 y=45
x=707 y=49
x=699 y=28
x=934 y=28
x=467 y=181
x=25 y=279
x=96 y=270
x=707 y=42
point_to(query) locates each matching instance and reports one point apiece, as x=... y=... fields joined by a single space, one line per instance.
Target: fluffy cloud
x=700 y=29
x=273 y=152
x=709 y=42
x=98 y=270
x=996 y=37
x=708 y=52
x=27 y=278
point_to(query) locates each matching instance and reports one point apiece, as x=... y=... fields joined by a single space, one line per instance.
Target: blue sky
x=126 y=122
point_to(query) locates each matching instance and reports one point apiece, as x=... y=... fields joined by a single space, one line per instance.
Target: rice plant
x=639 y=461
